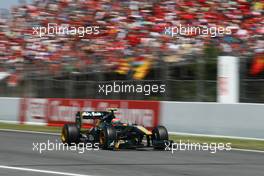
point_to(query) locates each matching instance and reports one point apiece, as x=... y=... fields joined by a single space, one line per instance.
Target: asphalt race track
x=16 y=153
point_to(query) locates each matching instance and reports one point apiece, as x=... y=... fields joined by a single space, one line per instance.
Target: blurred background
x=131 y=48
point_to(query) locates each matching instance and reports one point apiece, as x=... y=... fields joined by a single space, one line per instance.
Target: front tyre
x=70 y=134
x=159 y=137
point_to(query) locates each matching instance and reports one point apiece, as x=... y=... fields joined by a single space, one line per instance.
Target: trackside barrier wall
x=240 y=120
x=9 y=109
x=58 y=111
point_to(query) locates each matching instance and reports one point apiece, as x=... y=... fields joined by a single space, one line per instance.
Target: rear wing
x=91 y=114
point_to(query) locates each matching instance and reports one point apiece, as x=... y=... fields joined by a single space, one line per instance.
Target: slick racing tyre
x=159 y=135
x=106 y=136
x=70 y=134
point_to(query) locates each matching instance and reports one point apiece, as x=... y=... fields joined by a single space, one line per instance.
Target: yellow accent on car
x=63 y=135
x=62 y=138
x=144 y=130
x=117 y=145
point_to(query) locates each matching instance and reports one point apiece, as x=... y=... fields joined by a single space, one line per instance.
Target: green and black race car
x=110 y=133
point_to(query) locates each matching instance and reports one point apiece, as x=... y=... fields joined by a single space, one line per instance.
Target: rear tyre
x=159 y=135
x=107 y=136
x=70 y=134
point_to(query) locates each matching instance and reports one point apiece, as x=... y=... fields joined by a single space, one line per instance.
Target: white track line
x=248 y=150
x=9 y=121
x=41 y=171
x=217 y=136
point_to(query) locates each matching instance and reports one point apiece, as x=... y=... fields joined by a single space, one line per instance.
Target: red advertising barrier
x=56 y=111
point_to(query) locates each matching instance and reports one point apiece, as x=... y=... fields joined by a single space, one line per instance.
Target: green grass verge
x=30 y=127
x=235 y=143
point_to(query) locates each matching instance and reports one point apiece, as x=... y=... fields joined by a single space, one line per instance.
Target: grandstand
x=131 y=46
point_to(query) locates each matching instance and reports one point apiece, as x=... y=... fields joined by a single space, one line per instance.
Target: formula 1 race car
x=111 y=133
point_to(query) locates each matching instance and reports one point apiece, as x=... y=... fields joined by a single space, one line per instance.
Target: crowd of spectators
x=130 y=31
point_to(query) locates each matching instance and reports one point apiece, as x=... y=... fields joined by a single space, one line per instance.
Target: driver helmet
x=116 y=121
